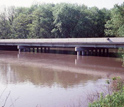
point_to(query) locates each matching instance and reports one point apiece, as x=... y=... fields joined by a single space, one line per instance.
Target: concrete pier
x=91 y=51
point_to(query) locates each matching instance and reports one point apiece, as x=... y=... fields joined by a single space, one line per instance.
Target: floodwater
x=53 y=80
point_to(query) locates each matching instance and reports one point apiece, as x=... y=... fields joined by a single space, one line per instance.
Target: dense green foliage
x=116 y=99
x=115 y=26
x=53 y=21
x=61 y=21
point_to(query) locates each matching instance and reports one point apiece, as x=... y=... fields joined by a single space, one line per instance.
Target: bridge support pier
x=80 y=51
x=41 y=49
x=44 y=49
x=91 y=51
x=83 y=52
x=32 y=49
x=37 y=49
x=20 y=48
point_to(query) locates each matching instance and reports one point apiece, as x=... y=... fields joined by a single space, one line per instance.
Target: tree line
x=61 y=21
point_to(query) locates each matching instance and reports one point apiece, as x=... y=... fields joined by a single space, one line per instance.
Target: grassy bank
x=115 y=99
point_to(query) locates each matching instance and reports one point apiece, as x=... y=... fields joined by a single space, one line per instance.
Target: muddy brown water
x=53 y=80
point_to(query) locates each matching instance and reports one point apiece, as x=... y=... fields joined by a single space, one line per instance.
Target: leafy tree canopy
x=61 y=21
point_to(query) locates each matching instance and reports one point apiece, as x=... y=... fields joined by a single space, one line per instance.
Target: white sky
x=90 y=3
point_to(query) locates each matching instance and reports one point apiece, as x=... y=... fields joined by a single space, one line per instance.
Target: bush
x=116 y=99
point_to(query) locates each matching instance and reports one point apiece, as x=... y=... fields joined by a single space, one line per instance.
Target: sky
x=90 y=3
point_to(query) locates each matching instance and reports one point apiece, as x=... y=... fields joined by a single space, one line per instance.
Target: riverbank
x=114 y=99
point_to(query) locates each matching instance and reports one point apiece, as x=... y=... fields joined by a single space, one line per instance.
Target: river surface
x=53 y=80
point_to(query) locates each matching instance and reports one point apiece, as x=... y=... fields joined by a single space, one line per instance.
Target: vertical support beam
x=86 y=52
x=91 y=51
x=29 y=49
x=44 y=49
x=19 y=49
x=107 y=51
x=83 y=52
x=24 y=50
x=103 y=51
x=48 y=49
x=96 y=52
x=78 y=53
x=41 y=49
x=33 y=49
x=37 y=49
x=100 y=51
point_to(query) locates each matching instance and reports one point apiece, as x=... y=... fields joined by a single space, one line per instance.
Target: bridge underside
x=80 y=49
x=8 y=47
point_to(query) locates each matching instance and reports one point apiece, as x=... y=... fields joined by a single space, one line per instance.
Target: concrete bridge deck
x=64 y=42
x=79 y=43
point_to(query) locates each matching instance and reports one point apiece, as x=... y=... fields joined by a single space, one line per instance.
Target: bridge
x=81 y=45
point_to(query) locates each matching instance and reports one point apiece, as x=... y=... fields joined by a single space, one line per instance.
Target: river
x=53 y=80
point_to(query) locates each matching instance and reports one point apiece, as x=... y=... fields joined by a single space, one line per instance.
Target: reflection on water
x=53 y=80
x=15 y=74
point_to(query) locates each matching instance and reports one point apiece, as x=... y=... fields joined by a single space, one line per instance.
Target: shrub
x=116 y=99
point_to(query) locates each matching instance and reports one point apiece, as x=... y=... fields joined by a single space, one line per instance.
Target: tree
x=66 y=17
x=59 y=21
x=115 y=26
x=20 y=26
x=5 y=28
x=42 y=24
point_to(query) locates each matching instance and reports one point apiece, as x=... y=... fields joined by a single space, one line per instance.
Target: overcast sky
x=90 y=3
